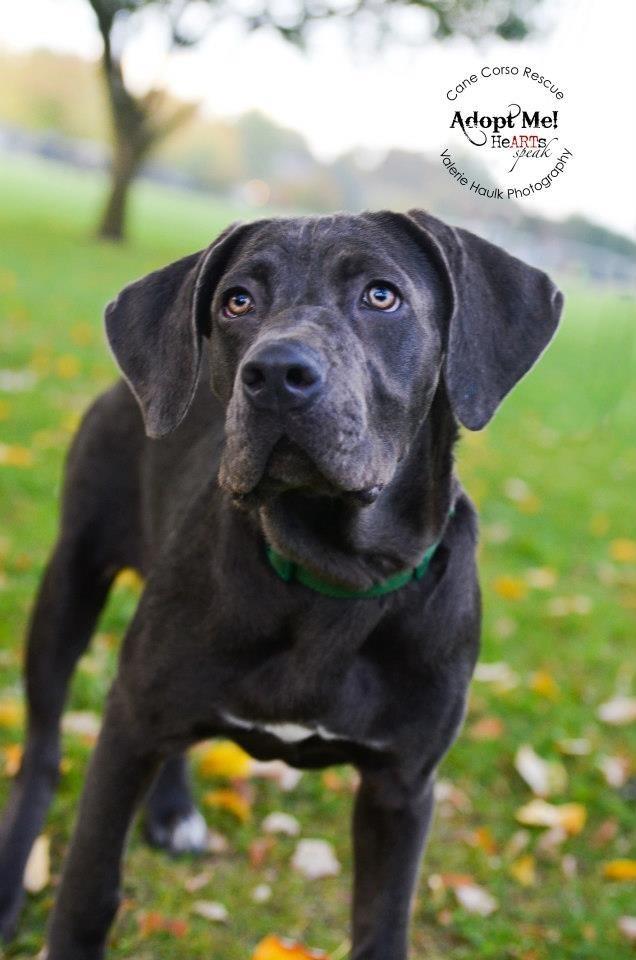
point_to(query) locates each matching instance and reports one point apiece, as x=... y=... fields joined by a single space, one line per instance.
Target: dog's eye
x=381 y=296
x=237 y=302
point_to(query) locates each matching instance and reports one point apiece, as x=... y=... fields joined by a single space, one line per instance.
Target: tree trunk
x=112 y=225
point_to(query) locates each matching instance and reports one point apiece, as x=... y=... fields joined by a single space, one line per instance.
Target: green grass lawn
x=554 y=477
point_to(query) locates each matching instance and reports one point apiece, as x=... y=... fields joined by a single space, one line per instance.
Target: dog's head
x=328 y=336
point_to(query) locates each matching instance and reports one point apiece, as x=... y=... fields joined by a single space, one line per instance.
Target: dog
x=309 y=554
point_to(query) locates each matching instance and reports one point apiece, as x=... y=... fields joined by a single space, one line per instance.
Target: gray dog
x=310 y=555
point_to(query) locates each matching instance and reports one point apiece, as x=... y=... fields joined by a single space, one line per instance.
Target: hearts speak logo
x=521 y=139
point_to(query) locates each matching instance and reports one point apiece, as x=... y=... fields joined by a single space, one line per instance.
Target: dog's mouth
x=290 y=467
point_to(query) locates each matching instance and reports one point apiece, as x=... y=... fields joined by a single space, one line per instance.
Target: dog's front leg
x=390 y=823
x=119 y=773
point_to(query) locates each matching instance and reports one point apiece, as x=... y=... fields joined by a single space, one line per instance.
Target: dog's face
x=328 y=336
x=326 y=346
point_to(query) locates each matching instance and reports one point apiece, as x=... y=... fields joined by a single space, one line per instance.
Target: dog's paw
x=182 y=834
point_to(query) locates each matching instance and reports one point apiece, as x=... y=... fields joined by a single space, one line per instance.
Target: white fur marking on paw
x=190 y=833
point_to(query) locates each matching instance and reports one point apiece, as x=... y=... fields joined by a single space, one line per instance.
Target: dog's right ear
x=155 y=326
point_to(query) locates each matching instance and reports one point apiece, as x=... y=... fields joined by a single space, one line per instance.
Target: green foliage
x=567 y=432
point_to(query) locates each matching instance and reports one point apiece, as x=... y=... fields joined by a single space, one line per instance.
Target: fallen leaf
x=615 y=770
x=82 y=334
x=621 y=870
x=278 y=771
x=225 y=759
x=619 y=711
x=574 y=747
x=539 y=813
x=259 y=850
x=37 y=873
x=627 y=926
x=198 y=881
x=505 y=627
x=563 y=606
x=281 y=823
x=516 y=489
x=605 y=833
x=475 y=899
x=12 y=758
x=483 y=839
x=541 y=578
x=273 y=948
x=155 y=922
x=217 y=843
x=17 y=381
x=262 y=893
x=623 y=550
x=486 y=728
x=230 y=800
x=545 y=685
x=67 y=367
x=11 y=713
x=447 y=793
x=523 y=870
x=315 y=859
x=449 y=881
x=510 y=588
x=82 y=723
x=211 y=910
x=544 y=777
x=11 y=456
x=550 y=842
x=499 y=673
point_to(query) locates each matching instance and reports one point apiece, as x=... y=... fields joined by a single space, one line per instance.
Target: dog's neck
x=358 y=547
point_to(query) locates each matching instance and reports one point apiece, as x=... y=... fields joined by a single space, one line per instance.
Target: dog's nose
x=282 y=376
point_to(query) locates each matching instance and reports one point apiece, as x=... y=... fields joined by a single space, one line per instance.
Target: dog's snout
x=282 y=376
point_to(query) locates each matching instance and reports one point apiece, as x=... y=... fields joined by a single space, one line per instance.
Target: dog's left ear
x=154 y=328
x=503 y=314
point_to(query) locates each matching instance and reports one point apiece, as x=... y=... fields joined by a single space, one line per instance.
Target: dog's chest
x=297 y=694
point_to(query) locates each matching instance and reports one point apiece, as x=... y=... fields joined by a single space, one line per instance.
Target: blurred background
x=130 y=133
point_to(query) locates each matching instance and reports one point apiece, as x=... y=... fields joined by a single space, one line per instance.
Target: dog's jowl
x=278 y=463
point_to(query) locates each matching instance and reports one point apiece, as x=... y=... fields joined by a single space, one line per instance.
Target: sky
x=375 y=100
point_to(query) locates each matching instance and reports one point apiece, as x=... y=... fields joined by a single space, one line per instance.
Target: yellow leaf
x=529 y=504
x=623 y=550
x=11 y=712
x=12 y=758
x=38 y=869
x=545 y=685
x=524 y=870
x=225 y=759
x=273 y=948
x=67 y=367
x=82 y=334
x=510 y=588
x=129 y=579
x=229 y=800
x=15 y=456
x=620 y=870
x=570 y=817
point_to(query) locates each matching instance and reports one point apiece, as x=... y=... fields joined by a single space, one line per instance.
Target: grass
x=554 y=477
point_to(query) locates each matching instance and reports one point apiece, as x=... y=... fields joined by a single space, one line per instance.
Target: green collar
x=287 y=570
